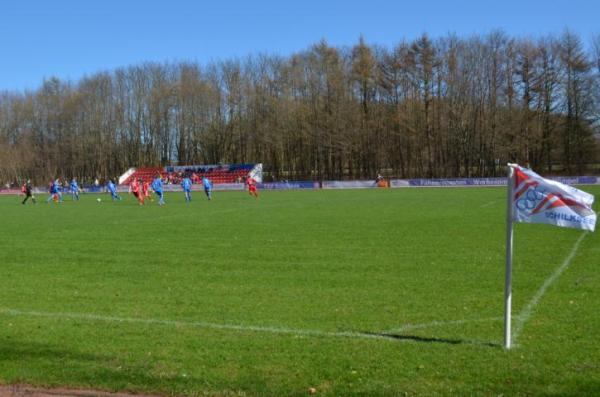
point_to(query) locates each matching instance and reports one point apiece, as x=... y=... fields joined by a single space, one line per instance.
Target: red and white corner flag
x=539 y=200
x=533 y=199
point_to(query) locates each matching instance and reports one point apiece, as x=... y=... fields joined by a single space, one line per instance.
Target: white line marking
x=526 y=313
x=196 y=324
x=386 y=335
x=488 y=204
x=408 y=327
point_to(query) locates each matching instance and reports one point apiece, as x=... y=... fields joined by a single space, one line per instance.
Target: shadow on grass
x=11 y=350
x=425 y=339
x=590 y=388
x=46 y=366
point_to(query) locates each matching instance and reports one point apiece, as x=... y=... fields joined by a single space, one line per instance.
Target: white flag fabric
x=539 y=200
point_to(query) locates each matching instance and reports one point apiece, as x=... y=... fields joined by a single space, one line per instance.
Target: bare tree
x=447 y=107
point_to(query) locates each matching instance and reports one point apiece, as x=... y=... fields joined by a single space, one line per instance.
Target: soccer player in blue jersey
x=51 y=191
x=74 y=187
x=112 y=189
x=58 y=188
x=157 y=186
x=207 y=187
x=186 y=184
x=55 y=191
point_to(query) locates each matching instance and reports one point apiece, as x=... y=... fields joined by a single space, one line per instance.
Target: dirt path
x=30 y=391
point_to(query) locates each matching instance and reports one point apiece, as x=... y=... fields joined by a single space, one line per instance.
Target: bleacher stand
x=223 y=173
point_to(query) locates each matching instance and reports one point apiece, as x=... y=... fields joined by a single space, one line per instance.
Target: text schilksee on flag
x=539 y=200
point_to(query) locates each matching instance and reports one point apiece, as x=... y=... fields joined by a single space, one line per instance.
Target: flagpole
x=509 y=256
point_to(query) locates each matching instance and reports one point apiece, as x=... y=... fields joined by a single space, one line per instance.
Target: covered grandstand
x=217 y=173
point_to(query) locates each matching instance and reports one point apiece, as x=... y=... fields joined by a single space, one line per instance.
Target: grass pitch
x=355 y=292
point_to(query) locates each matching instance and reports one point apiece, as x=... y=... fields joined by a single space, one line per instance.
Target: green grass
x=306 y=276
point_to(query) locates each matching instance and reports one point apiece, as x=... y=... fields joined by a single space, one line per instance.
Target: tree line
x=444 y=107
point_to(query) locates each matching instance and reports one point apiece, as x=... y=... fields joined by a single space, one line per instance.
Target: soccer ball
x=98 y=199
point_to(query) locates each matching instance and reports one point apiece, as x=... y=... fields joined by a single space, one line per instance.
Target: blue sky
x=70 y=38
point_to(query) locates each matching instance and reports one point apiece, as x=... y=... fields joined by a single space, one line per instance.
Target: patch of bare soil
x=30 y=391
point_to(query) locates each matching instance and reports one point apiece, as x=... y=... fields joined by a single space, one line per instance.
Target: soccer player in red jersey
x=251 y=182
x=28 y=191
x=146 y=190
x=136 y=190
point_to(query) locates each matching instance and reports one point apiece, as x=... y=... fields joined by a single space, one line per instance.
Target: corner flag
x=539 y=200
x=533 y=199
